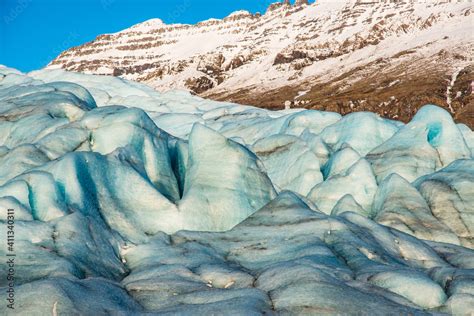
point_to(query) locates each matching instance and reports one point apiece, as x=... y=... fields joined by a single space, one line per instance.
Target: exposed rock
x=301 y=2
x=199 y=85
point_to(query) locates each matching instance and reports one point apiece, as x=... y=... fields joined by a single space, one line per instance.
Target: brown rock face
x=301 y=2
x=462 y=96
x=274 y=6
x=199 y=85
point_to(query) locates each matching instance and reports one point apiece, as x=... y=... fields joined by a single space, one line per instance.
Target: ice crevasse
x=168 y=203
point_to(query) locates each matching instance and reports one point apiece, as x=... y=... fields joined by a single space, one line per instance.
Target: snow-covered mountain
x=127 y=201
x=389 y=57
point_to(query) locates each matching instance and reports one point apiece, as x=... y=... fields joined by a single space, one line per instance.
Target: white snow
x=301 y=93
x=454 y=76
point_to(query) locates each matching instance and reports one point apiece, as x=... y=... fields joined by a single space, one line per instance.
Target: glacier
x=131 y=201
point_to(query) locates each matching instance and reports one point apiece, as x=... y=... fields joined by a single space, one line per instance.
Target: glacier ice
x=309 y=121
x=449 y=193
x=348 y=204
x=412 y=285
x=429 y=142
x=73 y=296
x=347 y=131
x=108 y=187
x=358 y=181
x=340 y=162
x=222 y=176
x=400 y=205
x=290 y=164
x=130 y=201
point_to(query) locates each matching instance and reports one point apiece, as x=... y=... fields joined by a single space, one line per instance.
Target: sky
x=33 y=32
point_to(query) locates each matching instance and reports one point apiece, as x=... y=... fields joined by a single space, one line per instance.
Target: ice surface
x=224 y=183
x=429 y=142
x=415 y=286
x=348 y=204
x=399 y=205
x=468 y=137
x=129 y=201
x=358 y=181
x=290 y=164
x=348 y=131
x=110 y=187
x=450 y=195
x=340 y=162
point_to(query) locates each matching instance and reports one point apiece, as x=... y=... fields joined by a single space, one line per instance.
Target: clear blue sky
x=33 y=32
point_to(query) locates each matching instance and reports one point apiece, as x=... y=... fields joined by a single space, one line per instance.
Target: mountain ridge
x=345 y=56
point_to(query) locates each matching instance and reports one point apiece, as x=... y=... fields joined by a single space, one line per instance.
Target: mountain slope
x=390 y=57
